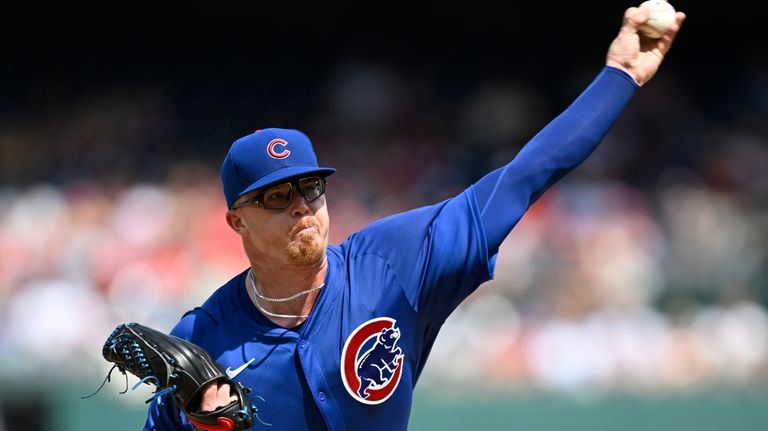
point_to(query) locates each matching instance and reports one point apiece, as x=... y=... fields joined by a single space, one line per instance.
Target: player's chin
x=306 y=251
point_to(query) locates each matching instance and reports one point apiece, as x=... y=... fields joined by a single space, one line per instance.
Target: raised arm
x=504 y=195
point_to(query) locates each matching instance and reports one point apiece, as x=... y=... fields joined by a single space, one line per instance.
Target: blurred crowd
x=643 y=270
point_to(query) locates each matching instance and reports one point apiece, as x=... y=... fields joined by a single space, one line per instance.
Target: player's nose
x=299 y=206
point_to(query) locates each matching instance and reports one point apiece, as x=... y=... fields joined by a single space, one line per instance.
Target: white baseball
x=662 y=16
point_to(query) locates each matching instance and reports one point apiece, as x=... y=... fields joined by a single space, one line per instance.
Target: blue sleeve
x=441 y=253
x=437 y=254
x=166 y=417
x=504 y=195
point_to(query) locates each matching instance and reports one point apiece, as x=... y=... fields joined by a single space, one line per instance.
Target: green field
x=61 y=409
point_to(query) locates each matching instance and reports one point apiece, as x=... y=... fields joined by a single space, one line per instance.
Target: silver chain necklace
x=289 y=298
x=252 y=279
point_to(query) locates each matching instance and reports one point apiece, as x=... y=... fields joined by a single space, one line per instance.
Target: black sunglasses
x=281 y=195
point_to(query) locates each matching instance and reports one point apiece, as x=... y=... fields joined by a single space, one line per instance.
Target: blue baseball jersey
x=354 y=363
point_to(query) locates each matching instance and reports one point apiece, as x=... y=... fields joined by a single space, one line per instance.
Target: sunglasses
x=281 y=195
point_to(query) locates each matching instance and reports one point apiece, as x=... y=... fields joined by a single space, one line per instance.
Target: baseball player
x=335 y=337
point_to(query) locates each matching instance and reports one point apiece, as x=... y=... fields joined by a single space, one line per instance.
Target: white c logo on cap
x=283 y=153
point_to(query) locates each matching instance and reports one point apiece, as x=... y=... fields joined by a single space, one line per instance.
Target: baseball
x=662 y=16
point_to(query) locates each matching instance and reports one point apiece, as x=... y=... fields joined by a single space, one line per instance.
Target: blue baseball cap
x=267 y=157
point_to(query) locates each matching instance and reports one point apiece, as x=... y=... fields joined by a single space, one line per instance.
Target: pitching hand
x=636 y=54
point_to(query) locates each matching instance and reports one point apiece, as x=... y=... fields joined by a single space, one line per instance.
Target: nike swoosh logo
x=232 y=373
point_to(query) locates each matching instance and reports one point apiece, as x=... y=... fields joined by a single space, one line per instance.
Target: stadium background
x=633 y=295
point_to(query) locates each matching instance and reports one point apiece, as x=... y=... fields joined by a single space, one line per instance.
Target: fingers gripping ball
x=180 y=368
x=662 y=16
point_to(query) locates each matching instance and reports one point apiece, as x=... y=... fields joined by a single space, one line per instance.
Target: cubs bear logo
x=276 y=153
x=371 y=364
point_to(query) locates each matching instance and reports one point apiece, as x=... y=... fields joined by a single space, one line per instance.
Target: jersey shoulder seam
x=402 y=288
x=216 y=322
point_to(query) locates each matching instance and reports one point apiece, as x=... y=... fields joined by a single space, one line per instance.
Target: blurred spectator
x=644 y=271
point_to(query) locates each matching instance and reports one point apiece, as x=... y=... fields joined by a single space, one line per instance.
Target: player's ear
x=235 y=222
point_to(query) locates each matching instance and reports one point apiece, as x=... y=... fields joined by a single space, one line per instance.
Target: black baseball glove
x=180 y=368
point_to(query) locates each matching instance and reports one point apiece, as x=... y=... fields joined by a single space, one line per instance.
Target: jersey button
x=321 y=396
x=303 y=344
